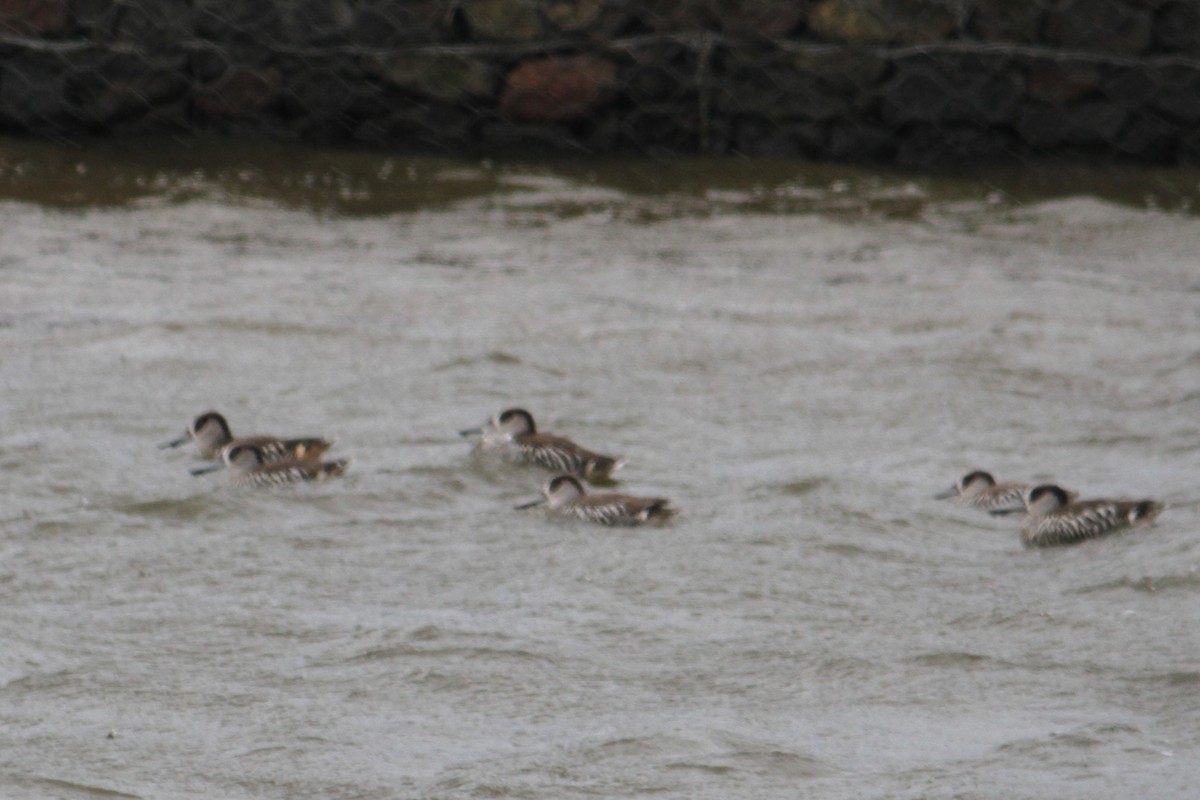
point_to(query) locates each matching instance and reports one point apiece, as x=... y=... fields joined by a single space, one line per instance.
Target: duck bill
x=210 y=468
x=531 y=502
x=471 y=432
x=187 y=436
x=1005 y=510
x=947 y=494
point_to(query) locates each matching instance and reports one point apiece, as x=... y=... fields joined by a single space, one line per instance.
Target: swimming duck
x=979 y=490
x=1054 y=518
x=212 y=436
x=249 y=467
x=513 y=436
x=564 y=495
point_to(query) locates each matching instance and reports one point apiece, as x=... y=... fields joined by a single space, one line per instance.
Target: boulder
x=34 y=92
x=1061 y=80
x=883 y=21
x=1177 y=93
x=124 y=86
x=391 y=23
x=158 y=25
x=240 y=91
x=503 y=20
x=442 y=75
x=1177 y=28
x=768 y=85
x=1107 y=27
x=34 y=17
x=847 y=69
x=599 y=19
x=1149 y=137
x=558 y=89
x=765 y=18
x=1006 y=20
x=1047 y=126
x=981 y=89
x=676 y=16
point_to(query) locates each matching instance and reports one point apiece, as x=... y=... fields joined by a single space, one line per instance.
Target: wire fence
x=913 y=81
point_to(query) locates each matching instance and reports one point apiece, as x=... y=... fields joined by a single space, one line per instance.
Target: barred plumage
x=248 y=466
x=565 y=496
x=979 y=490
x=1055 y=519
x=513 y=436
x=213 y=438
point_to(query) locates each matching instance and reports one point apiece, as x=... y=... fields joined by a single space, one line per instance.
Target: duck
x=565 y=496
x=212 y=435
x=980 y=490
x=513 y=435
x=249 y=466
x=1054 y=517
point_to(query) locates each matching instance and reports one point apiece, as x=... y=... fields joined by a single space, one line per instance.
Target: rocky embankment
x=913 y=81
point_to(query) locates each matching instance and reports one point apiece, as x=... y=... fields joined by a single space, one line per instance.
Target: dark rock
x=161 y=24
x=845 y=69
x=760 y=137
x=274 y=22
x=677 y=16
x=662 y=71
x=657 y=83
x=35 y=17
x=239 y=92
x=311 y=22
x=430 y=126
x=932 y=145
x=1189 y=146
x=557 y=89
x=859 y=141
x=765 y=83
x=1177 y=28
x=390 y=23
x=238 y=21
x=121 y=87
x=756 y=18
x=1178 y=92
x=324 y=129
x=34 y=93
x=603 y=133
x=915 y=95
x=599 y=19
x=982 y=89
x=509 y=136
x=663 y=128
x=766 y=18
x=1006 y=20
x=152 y=24
x=1047 y=126
x=1054 y=80
x=1149 y=137
x=442 y=75
x=1128 y=87
x=883 y=21
x=503 y=20
x=317 y=89
x=208 y=64
x=1104 y=27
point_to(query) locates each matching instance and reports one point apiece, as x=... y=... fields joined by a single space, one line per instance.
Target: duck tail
x=333 y=469
x=601 y=468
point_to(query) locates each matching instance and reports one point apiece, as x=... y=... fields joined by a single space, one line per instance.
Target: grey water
x=799 y=356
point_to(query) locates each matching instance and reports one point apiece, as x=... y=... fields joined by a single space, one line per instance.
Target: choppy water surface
x=798 y=356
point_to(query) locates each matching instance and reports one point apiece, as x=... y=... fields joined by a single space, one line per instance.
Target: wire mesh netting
x=906 y=80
